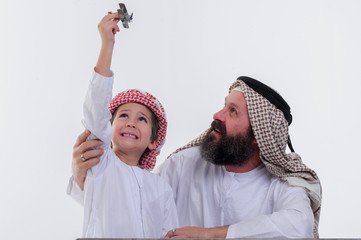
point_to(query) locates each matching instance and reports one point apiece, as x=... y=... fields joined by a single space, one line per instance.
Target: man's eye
x=233 y=110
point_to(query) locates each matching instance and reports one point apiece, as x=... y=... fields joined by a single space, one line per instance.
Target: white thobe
x=120 y=201
x=255 y=204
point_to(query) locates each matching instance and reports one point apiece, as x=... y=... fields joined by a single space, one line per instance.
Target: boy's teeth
x=129 y=135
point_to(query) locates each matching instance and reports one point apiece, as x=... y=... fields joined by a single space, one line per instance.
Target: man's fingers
x=86 y=148
x=89 y=145
x=169 y=234
x=91 y=162
x=189 y=232
x=92 y=153
x=180 y=236
x=174 y=233
x=81 y=138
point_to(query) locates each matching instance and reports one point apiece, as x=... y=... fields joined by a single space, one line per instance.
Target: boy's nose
x=130 y=123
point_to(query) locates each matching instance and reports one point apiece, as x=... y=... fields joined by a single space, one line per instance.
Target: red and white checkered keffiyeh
x=270 y=129
x=148 y=159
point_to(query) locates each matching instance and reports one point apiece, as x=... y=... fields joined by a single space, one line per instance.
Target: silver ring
x=82 y=157
x=173 y=231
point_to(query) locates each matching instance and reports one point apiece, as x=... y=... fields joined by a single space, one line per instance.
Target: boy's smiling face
x=132 y=129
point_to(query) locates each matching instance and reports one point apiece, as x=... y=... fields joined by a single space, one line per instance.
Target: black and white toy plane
x=124 y=16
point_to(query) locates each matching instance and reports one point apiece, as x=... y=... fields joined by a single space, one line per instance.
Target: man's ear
x=153 y=145
x=254 y=144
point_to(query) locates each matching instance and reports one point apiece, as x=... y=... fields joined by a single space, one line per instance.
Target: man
x=236 y=180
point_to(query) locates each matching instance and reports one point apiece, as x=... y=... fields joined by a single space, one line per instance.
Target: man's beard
x=229 y=150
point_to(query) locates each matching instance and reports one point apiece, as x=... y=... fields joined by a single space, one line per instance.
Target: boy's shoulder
x=151 y=177
x=155 y=183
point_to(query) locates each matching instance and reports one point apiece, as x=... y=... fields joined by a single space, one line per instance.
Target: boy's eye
x=123 y=115
x=143 y=119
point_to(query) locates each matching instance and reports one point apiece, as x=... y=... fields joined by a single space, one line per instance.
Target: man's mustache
x=219 y=127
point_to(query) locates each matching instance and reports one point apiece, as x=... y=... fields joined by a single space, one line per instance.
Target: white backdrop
x=187 y=53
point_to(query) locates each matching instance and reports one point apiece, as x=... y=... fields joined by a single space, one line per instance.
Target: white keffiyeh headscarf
x=270 y=129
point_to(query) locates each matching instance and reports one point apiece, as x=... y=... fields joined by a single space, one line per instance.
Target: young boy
x=121 y=198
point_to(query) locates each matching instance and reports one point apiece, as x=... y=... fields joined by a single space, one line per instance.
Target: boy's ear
x=153 y=145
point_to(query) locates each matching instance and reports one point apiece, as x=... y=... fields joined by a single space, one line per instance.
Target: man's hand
x=85 y=149
x=197 y=232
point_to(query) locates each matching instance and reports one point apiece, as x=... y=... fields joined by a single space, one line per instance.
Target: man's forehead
x=235 y=97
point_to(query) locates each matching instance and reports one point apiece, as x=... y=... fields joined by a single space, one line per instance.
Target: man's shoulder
x=184 y=159
x=187 y=156
x=281 y=186
x=188 y=152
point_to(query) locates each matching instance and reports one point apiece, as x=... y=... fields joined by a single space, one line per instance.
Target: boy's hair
x=154 y=123
x=159 y=121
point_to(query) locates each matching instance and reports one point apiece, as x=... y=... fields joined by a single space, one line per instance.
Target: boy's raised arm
x=107 y=27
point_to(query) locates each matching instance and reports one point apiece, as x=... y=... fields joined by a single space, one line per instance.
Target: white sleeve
x=170 y=214
x=75 y=192
x=97 y=115
x=292 y=217
x=95 y=107
x=170 y=171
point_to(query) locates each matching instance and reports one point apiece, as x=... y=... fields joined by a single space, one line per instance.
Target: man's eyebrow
x=232 y=104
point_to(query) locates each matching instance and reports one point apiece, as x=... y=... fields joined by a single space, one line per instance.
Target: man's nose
x=220 y=115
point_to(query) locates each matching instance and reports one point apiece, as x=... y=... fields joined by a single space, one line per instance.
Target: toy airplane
x=123 y=15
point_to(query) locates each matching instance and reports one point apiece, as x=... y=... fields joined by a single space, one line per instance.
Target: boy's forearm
x=104 y=61
x=107 y=29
